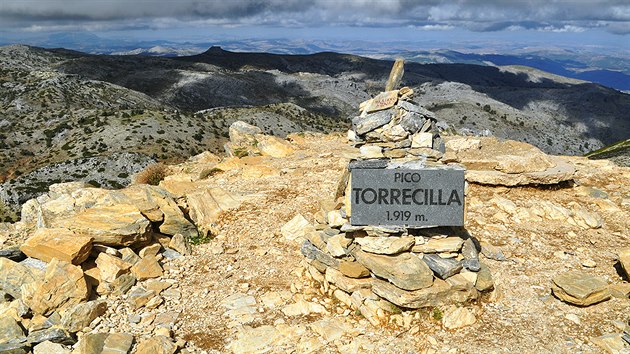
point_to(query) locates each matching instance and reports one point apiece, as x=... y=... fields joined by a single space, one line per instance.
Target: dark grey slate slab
x=442 y=267
x=372 y=163
x=371 y=121
x=311 y=252
x=406 y=197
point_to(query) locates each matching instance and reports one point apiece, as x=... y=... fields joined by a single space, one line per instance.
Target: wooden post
x=395 y=76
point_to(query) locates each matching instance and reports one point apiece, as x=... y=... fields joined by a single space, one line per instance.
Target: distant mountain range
x=607 y=67
x=68 y=115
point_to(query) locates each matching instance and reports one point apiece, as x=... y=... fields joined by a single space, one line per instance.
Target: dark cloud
x=475 y=15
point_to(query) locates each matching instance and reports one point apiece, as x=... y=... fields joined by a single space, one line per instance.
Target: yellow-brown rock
x=111 y=267
x=118 y=225
x=60 y=243
x=63 y=286
x=147 y=268
x=273 y=146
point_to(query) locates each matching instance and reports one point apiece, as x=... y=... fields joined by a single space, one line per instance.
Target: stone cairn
x=385 y=269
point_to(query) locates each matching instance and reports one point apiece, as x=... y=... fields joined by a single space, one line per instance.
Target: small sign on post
x=411 y=198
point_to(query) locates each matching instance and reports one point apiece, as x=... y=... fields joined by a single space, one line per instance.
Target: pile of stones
x=380 y=269
x=88 y=249
x=391 y=125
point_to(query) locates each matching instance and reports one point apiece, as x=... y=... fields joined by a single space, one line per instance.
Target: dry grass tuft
x=152 y=174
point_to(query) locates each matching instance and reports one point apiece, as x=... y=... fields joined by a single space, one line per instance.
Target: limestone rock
x=580 y=288
x=129 y=256
x=436 y=245
x=371 y=152
x=242 y=133
x=385 y=245
x=296 y=228
x=119 y=225
x=422 y=140
x=255 y=340
x=347 y=284
x=49 y=347
x=353 y=269
x=10 y=330
x=147 y=268
x=405 y=270
x=458 y=317
x=63 y=244
x=620 y=291
x=492 y=252
x=53 y=334
x=96 y=343
x=63 y=286
x=439 y=294
x=442 y=267
x=273 y=146
x=395 y=76
x=302 y=307
x=139 y=296
x=12 y=276
x=122 y=284
x=337 y=245
x=484 y=280
x=81 y=315
x=151 y=250
x=180 y=244
x=612 y=343
x=111 y=267
x=205 y=207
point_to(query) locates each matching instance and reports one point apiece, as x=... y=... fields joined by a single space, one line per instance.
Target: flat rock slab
x=371 y=121
x=435 y=245
x=61 y=243
x=405 y=270
x=385 y=245
x=119 y=225
x=440 y=293
x=580 y=288
x=489 y=160
x=12 y=276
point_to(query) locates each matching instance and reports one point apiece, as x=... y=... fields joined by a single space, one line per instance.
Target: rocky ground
x=246 y=287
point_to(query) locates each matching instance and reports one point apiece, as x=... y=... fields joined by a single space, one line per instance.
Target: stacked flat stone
x=385 y=269
x=392 y=125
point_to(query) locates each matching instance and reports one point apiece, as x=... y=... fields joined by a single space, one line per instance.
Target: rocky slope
x=247 y=288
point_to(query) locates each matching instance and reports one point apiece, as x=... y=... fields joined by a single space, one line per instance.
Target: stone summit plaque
x=404 y=197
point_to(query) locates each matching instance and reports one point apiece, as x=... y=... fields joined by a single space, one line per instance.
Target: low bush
x=152 y=174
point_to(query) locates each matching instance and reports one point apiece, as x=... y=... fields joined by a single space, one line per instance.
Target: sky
x=549 y=22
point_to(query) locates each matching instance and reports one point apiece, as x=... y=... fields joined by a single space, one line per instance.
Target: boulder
x=243 y=134
x=49 y=347
x=579 y=288
x=405 y=270
x=12 y=276
x=96 y=343
x=63 y=286
x=61 y=243
x=119 y=225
